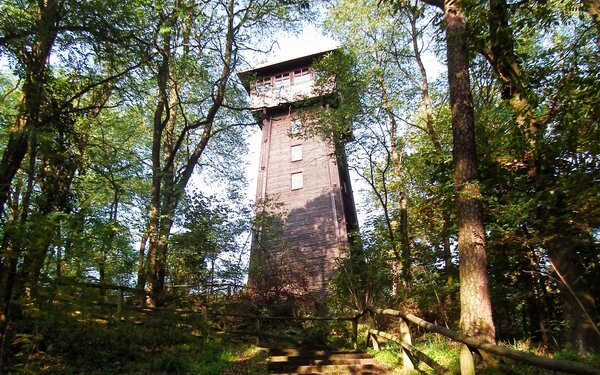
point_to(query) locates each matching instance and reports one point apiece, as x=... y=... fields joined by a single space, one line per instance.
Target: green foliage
x=362 y=279
x=338 y=67
x=59 y=338
x=538 y=190
x=210 y=229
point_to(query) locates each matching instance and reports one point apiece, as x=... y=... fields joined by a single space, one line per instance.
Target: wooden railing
x=410 y=354
x=259 y=319
x=469 y=345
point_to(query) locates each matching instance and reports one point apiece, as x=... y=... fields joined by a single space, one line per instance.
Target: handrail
x=547 y=363
x=267 y=317
x=412 y=350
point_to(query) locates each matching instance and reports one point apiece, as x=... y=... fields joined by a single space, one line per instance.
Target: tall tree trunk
x=429 y=117
x=398 y=231
x=437 y=146
x=155 y=194
x=164 y=203
x=36 y=61
x=475 y=302
x=579 y=308
x=169 y=197
x=162 y=115
x=13 y=240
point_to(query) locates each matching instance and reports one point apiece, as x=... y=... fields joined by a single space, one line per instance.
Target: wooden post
x=371 y=325
x=120 y=304
x=204 y=323
x=467 y=366
x=257 y=326
x=355 y=333
x=375 y=343
x=405 y=336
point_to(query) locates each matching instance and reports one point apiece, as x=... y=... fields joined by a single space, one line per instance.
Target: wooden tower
x=303 y=183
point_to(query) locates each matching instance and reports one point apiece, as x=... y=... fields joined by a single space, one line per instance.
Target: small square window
x=296 y=152
x=302 y=76
x=263 y=84
x=297 y=181
x=282 y=80
x=296 y=127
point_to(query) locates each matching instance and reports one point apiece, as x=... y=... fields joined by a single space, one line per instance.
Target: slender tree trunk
x=36 y=60
x=165 y=148
x=142 y=264
x=397 y=231
x=155 y=192
x=429 y=117
x=437 y=146
x=475 y=302
x=579 y=308
x=169 y=197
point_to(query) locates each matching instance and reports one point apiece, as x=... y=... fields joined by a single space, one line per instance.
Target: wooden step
x=315 y=361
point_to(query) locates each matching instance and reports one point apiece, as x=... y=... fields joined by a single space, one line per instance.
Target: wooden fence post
x=355 y=333
x=120 y=304
x=371 y=325
x=375 y=343
x=467 y=366
x=407 y=363
x=204 y=323
x=257 y=326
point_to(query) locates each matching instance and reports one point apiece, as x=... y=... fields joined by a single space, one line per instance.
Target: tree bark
x=168 y=186
x=558 y=240
x=36 y=60
x=155 y=193
x=475 y=302
x=437 y=146
x=402 y=261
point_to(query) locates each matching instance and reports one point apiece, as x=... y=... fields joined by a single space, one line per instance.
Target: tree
x=476 y=307
x=61 y=94
x=534 y=118
x=203 y=41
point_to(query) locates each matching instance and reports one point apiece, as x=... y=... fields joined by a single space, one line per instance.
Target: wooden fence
x=410 y=354
x=469 y=345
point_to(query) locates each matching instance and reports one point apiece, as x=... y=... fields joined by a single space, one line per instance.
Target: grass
x=446 y=353
x=442 y=351
x=55 y=341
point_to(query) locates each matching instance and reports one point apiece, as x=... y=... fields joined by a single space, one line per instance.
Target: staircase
x=314 y=361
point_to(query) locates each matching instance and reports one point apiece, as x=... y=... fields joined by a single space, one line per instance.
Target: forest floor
x=253 y=361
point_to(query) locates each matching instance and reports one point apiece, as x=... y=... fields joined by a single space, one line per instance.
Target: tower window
x=296 y=127
x=296 y=152
x=297 y=181
x=282 y=80
x=263 y=84
x=301 y=76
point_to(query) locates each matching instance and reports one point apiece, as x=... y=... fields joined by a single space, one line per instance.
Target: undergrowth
x=49 y=340
x=446 y=353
